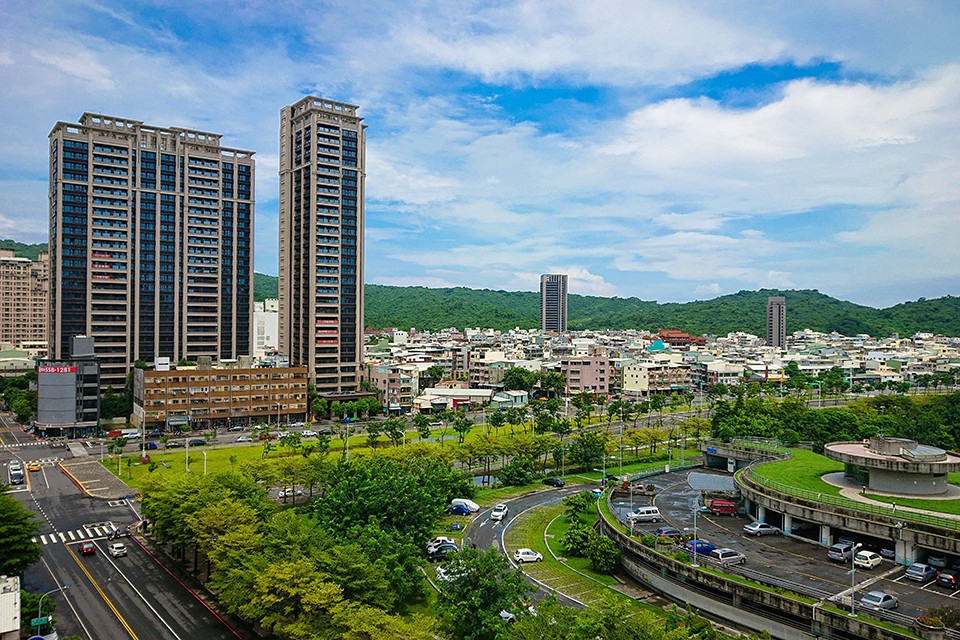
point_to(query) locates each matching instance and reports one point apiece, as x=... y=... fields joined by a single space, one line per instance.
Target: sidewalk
x=854 y=493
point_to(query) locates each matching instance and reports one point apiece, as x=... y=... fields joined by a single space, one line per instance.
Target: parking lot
x=784 y=560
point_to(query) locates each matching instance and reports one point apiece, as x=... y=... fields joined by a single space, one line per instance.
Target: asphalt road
x=128 y=597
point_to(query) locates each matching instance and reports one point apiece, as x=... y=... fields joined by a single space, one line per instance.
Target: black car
x=173 y=444
x=949 y=578
x=554 y=482
x=440 y=553
x=198 y=443
x=668 y=532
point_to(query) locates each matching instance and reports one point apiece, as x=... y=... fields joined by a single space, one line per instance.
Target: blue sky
x=670 y=151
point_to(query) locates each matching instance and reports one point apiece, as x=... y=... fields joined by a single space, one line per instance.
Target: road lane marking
x=72 y=538
x=103 y=595
x=63 y=538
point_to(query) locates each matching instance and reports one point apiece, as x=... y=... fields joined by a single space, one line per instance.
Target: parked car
x=244 y=439
x=867 y=560
x=87 y=548
x=701 y=547
x=450 y=574
x=16 y=465
x=469 y=504
x=728 y=556
x=235 y=428
x=434 y=544
x=498 y=513
x=888 y=553
x=840 y=552
x=949 y=578
x=668 y=532
x=117 y=549
x=723 y=508
x=173 y=444
x=937 y=561
x=527 y=555
x=760 y=529
x=197 y=442
x=920 y=572
x=440 y=553
x=877 y=600
x=458 y=510
x=151 y=446
x=554 y=482
x=645 y=514
x=290 y=492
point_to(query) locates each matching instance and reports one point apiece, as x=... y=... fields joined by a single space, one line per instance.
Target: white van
x=469 y=504
x=645 y=514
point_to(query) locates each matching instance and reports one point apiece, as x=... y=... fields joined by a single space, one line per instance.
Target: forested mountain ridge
x=432 y=309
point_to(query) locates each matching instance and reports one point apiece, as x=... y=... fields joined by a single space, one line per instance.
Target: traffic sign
x=36 y=622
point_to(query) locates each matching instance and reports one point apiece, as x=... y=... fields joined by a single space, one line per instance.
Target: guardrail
x=902 y=514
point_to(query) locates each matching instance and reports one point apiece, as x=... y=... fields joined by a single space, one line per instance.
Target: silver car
x=879 y=600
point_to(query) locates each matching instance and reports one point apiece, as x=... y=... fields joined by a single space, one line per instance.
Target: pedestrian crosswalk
x=23 y=444
x=91 y=532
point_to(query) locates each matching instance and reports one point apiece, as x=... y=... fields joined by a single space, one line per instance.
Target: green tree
x=462 y=425
x=587 y=449
x=519 y=379
x=422 y=422
x=603 y=553
x=472 y=604
x=395 y=428
x=517 y=472
x=18 y=530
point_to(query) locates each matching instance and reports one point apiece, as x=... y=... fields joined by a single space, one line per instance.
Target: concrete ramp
x=77 y=450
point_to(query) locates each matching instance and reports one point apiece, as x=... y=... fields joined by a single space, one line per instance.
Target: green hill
x=432 y=309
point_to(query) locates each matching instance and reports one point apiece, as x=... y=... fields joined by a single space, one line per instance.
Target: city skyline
x=788 y=147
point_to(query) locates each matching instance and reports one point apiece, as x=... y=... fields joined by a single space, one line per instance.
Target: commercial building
x=322 y=172
x=208 y=397
x=24 y=291
x=776 y=322
x=68 y=393
x=151 y=243
x=586 y=374
x=553 y=302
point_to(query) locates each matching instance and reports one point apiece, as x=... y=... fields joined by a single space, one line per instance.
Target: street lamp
x=204 y=462
x=853 y=579
x=696 y=540
x=40 y=604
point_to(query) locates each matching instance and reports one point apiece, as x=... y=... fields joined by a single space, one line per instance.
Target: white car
x=289 y=493
x=499 y=513
x=451 y=574
x=307 y=433
x=527 y=555
x=727 y=556
x=244 y=439
x=435 y=544
x=117 y=549
x=866 y=560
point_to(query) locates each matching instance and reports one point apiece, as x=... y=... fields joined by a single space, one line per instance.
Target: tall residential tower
x=776 y=321
x=151 y=243
x=553 y=302
x=322 y=172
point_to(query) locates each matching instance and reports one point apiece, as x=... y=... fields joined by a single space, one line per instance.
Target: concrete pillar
x=825 y=537
x=737 y=600
x=787 y=524
x=761 y=513
x=906 y=552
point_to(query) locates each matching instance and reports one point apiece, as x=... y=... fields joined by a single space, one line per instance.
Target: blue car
x=702 y=547
x=458 y=510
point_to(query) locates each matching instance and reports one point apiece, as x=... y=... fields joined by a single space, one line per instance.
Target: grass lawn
x=938 y=506
x=802 y=471
x=554 y=532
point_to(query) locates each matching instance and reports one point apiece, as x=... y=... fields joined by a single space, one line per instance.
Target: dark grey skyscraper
x=151 y=243
x=553 y=302
x=322 y=175
x=776 y=321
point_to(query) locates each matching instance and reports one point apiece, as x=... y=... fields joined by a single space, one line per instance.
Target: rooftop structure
x=895 y=465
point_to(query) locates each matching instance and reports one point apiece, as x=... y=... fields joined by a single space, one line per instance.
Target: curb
x=74 y=480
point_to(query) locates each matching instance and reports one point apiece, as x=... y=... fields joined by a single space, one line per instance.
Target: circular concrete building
x=895 y=465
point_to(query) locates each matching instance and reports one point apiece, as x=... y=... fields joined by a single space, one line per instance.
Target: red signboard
x=49 y=368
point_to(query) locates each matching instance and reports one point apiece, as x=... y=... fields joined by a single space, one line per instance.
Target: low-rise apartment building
x=586 y=374
x=218 y=397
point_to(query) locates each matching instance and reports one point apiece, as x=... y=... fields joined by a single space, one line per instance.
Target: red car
x=87 y=549
x=267 y=436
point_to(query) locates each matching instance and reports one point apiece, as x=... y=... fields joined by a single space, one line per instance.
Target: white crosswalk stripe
x=63 y=538
x=43 y=539
x=72 y=538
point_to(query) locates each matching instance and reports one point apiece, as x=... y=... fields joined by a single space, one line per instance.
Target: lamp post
x=40 y=603
x=204 y=462
x=186 y=455
x=696 y=538
x=853 y=579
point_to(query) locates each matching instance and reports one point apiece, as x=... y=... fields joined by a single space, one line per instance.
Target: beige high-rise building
x=777 y=321
x=322 y=172
x=24 y=291
x=151 y=243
